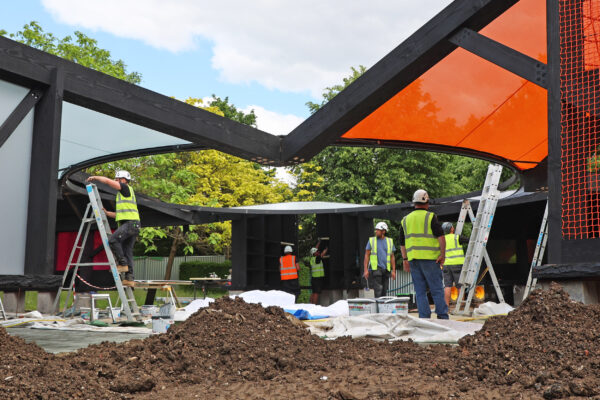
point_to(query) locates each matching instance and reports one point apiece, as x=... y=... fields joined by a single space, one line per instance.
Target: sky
x=266 y=55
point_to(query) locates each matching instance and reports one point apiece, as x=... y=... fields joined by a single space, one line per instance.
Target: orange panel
x=467 y=102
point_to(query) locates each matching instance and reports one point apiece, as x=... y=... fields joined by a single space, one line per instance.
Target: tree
x=82 y=50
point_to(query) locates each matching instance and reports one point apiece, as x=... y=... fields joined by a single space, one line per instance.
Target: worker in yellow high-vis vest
x=317 y=273
x=455 y=258
x=127 y=216
x=380 y=261
x=423 y=248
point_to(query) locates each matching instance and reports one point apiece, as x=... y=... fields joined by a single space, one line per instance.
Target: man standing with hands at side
x=423 y=248
x=380 y=255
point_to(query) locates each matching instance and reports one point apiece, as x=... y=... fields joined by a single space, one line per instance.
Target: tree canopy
x=82 y=50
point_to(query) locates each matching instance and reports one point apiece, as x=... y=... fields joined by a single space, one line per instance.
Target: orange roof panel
x=466 y=102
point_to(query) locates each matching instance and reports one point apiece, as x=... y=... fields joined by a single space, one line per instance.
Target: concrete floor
x=54 y=341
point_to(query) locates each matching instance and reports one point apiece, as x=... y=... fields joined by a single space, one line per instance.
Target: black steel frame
x=59 y=80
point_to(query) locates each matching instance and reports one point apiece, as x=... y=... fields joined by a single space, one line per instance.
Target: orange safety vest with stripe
x=287 y=267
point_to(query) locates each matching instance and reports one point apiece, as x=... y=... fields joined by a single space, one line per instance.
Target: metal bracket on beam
x=18 y=114
x=503 y=56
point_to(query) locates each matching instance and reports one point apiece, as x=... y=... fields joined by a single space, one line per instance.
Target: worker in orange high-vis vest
x=289 y=269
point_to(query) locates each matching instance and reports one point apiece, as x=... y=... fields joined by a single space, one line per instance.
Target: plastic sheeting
x=394 y=327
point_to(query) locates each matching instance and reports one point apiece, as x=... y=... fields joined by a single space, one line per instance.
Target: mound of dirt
x=547 y=348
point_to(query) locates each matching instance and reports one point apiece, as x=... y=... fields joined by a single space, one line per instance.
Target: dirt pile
x=548 y=348
x=550 y=344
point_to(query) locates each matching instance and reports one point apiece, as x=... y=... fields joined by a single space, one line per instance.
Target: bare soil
x=548 y=348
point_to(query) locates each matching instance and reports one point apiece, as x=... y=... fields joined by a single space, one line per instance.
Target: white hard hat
x=287 y=249
x=313 y=251
x=381 y=226
x=123 y=174
x=420 y=196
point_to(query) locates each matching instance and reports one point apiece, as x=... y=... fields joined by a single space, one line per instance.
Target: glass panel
x=15 y=156
x=87 y=134
x=467 y=102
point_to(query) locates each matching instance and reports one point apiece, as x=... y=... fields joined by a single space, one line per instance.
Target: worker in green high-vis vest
x=455 y=258
x=127 y=216
x=423 y=248
x=317 y=273
x=380 y=262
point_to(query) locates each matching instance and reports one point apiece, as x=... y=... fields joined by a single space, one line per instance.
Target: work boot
x=122 y=268
x=128 y=283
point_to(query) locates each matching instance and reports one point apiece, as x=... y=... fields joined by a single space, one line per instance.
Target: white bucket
x=362 y=306
x=167 y=310
x=85 y=313
x=148 y=310
x=116 y=311
x=161 y=325
x=393 y=305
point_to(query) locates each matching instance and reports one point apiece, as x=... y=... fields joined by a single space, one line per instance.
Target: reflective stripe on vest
x=373 y=257
x=126 y=208
x=287 y=267
x=454 y=251
x=420 y=243
x=316 y=269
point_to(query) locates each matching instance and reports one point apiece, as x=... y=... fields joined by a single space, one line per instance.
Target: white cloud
x=273 y=122
x=291 y=46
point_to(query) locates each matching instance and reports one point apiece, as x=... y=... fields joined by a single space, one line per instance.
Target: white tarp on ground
x=491 y=308
x=78 y=324
x=286 y=301
x=394 y=327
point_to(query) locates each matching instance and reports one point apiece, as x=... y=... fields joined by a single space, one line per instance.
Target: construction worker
x=289 y=269
x=455 y=258
x=379 y=255
x=423 y=248
x=317 y=273
x=128 y=219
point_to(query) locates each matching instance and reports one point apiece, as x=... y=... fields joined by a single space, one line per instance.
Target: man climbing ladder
x=128 y=218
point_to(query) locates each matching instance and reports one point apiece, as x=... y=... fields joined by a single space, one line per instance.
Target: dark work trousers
x=121 y=243
x=379 y=281
x=291 y=286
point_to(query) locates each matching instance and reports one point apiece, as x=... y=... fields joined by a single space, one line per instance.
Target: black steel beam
x=117 y=98
x=20 y=112
x=43 y=180
x=554 y=140
x=422 y=50
x=503 y=56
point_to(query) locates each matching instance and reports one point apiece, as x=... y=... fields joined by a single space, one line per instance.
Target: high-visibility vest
x=373 y=257
x=420 y=243
x=287 y=267
x=316 y=268
x=454 y=251
x=126 y=209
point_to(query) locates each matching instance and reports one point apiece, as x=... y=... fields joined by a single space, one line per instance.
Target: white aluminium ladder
x=538 y=255
x=94 y=214
x=2 y=311
x=476 y=251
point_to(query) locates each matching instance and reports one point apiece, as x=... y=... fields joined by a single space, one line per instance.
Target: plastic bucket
x=85 y=313
x=167 y=310
x=362 y=306
x=161 y=325
x=394 y=305
x=116 y=312
x=148 y=310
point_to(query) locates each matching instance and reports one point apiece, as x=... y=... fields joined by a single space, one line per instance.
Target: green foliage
x=82 y=50
x=231 y=112
x=198 y=269
x=304 y=280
